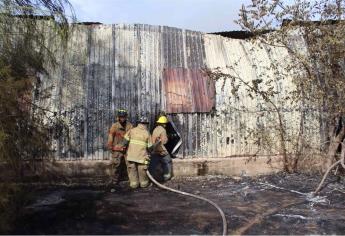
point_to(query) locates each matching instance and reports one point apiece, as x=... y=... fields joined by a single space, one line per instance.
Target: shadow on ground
x=278 y=204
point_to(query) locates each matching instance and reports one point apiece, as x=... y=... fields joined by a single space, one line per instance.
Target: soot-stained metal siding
x=107 y=67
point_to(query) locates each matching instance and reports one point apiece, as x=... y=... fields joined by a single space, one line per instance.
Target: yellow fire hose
x=194 y=196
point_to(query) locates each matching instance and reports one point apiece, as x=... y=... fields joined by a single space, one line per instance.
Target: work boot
x=145 y=184
x=133 y=185
x=167 y=177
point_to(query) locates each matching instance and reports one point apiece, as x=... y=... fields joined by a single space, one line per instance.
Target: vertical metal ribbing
x=124 y=67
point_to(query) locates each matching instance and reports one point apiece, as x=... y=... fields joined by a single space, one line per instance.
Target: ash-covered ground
x=276 y=204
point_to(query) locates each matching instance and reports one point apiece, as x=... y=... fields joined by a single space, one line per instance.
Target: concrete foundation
x=234 y=166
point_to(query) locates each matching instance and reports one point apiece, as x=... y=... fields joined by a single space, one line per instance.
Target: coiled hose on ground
x=225 y=228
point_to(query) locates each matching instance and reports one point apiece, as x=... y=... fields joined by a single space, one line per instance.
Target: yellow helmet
x=162 y=120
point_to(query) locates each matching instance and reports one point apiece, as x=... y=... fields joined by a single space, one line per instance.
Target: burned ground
x=276 y=204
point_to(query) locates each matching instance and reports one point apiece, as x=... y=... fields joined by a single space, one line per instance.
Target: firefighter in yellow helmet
x=138 y=140
x=115 y=145
x=160 y=155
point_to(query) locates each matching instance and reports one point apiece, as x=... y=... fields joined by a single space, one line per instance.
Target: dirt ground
x=277 y=204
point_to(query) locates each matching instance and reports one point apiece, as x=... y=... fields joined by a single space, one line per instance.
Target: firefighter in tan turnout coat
x=138 y=140
x=160 y=155
x=116 y=146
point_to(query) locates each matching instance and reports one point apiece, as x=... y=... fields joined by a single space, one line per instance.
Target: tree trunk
x=287 y=164
x=335 y=141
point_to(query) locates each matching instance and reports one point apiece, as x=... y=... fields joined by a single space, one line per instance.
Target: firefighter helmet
x=143 y=120
x=162 y=120
x=122 y=112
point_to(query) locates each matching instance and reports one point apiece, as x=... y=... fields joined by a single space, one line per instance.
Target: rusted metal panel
x=188 y=90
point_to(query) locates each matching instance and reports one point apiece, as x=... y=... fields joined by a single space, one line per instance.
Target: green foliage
x=21 y=134
x=27 y=27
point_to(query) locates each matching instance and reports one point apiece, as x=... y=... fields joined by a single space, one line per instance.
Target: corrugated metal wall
x=106 y=67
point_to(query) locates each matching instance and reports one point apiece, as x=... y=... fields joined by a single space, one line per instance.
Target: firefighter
x=138 y=140
x=115 y=145
x=160 y=155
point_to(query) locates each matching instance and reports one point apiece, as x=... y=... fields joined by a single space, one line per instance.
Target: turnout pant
x=137 y=174
x=117 y=167
x=164 y=161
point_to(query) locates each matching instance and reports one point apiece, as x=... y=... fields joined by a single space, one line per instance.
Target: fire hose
x=194 y=196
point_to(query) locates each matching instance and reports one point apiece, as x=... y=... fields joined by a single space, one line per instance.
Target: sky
x=199 y=15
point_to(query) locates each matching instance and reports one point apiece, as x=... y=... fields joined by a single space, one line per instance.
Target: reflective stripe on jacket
x=139 y=140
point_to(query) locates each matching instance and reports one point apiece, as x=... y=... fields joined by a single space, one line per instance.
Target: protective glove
x=118 y=149
x=147 y=161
